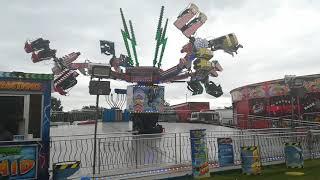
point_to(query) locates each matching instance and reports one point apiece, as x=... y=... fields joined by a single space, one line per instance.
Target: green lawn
x=311 y=171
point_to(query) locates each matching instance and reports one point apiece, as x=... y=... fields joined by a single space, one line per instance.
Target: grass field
x=311 y=171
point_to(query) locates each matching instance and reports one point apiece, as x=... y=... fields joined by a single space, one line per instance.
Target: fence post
x=99 y=155
x=175 y=146
x=180 y=145
x=136 y=152
x=241 y=138
x=310 y=144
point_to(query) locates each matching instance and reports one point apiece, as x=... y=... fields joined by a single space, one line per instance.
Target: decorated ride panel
x=147 y=99
x=199 y=153
x=143 y=74
x=274 y=88
x=294 y=155
x=250 y=158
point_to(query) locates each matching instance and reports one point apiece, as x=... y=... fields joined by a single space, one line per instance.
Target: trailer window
x=194 y=115
x=20 y=117
x=11 y=117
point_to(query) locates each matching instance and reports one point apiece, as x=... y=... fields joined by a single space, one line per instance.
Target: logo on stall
x=18 y=162
x=20 y=86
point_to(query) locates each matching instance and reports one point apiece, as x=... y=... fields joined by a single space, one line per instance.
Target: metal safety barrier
x=123 y=153
x=59 y=116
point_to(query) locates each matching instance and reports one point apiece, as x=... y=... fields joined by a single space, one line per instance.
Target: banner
x=199 y=154
x=143 y=99
x=294 y=155
x=250 y=157
x=18 y=162
x=225 y=152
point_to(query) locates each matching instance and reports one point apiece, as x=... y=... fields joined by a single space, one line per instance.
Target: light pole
x=98 y=88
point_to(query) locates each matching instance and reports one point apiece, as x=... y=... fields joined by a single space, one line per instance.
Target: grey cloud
x=279 y=37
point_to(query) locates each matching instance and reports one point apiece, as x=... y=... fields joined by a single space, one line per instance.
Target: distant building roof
x=188 y=103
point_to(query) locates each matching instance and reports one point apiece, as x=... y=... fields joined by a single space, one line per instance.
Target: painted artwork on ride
x=311 y=103
x=250 y=158
x=145 y=98
x=274 y=106
x=311 y=84
x=225 y=152
x=18 y=162
x=258 y=106
x=294 y=155
x=199 y=153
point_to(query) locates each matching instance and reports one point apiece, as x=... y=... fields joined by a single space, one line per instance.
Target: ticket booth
x=24 y=125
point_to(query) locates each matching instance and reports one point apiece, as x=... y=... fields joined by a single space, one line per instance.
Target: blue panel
x=46 y=111
x=44 y=148
x=294 y=155
x=113 y=115
x=104 y=116
x=225 y=152
x=126 y=115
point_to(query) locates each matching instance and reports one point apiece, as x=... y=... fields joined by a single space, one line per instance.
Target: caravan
x=210 y=117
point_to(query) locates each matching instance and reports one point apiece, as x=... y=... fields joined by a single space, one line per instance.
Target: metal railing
x=123 y=153
x=259 y=122
x=59 y=116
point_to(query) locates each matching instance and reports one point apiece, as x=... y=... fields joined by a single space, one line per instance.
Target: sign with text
x=199 y=153
x=20 y=86
x=250 y=157
x=99 y=88
x=294 y=155
x=18 y=162
x=225 y=152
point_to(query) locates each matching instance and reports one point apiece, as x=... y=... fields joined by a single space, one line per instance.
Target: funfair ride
x=145 y=98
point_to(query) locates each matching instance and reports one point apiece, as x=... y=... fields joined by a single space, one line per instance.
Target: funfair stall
x=24 y=125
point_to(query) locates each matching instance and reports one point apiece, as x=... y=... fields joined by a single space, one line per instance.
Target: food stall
x=24 y=125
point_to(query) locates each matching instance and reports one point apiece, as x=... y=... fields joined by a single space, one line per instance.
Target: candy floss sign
x=18 y=162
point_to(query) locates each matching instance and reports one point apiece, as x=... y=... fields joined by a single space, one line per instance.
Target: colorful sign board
x=20 y=86
x=225 y=152
x=250 y=157
x=294 y=155
x=18 y=162
x=145 y=98
x=199 y=153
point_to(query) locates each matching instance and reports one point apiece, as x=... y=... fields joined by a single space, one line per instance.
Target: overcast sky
x=279 y=38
